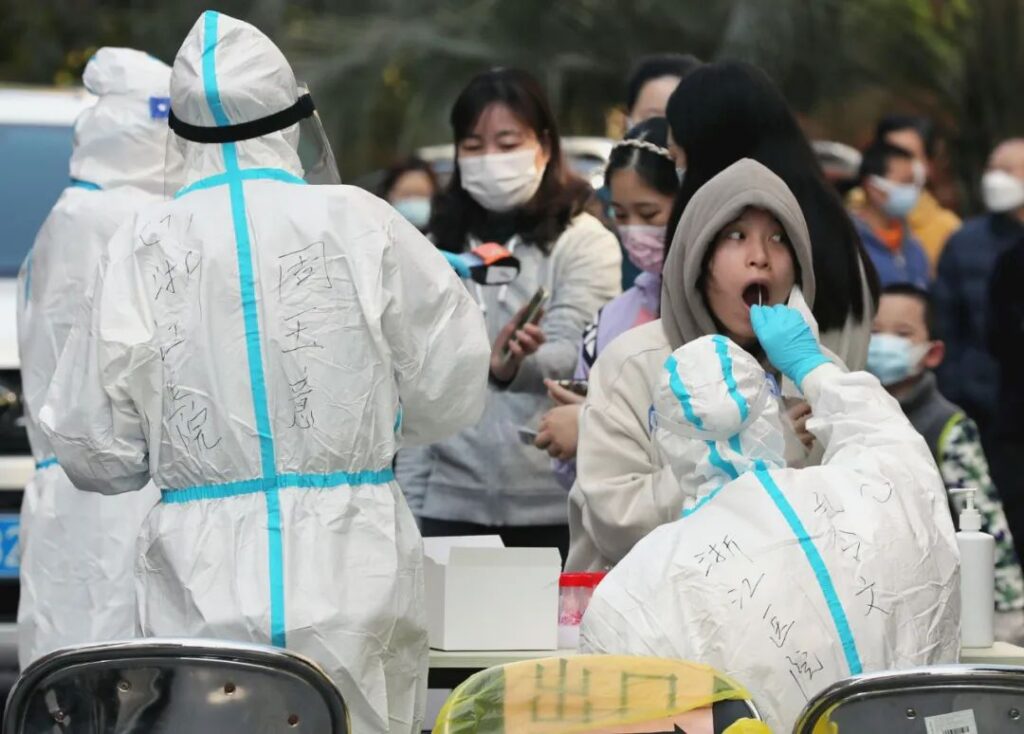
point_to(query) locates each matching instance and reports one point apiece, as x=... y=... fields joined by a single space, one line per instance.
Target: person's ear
x=935 y=355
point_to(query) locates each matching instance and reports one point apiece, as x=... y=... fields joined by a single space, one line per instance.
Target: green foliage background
x=384 y=72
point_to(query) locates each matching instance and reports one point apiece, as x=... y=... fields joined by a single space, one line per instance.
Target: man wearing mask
x=891 y=191
x=928 y=220
x=969 y=376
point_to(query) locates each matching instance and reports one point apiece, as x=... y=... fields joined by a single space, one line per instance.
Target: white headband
x=645 y=145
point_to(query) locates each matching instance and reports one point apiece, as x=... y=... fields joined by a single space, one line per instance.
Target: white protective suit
x=261 y=347
x=77 y=580
x=786 y=579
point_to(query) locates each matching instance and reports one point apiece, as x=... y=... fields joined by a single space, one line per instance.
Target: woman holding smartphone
x=512 y=186
x=641 y=177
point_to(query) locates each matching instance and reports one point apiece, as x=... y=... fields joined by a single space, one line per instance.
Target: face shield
x=315 y=154
x=294 y=133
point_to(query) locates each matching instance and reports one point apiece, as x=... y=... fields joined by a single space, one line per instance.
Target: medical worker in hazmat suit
x=787 y=579
x=78 y=548
x=261 y=347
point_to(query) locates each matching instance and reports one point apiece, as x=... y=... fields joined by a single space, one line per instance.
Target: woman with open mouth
x=742 y=242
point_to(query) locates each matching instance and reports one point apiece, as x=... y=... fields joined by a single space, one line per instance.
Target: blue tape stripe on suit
x=828 y=589
x=254 y=352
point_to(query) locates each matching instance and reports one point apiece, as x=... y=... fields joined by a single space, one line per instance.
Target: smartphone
x=577 y=386
x=527 y=435
x=531 y=315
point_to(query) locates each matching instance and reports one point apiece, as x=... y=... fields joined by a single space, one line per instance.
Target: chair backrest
x=594 y=694
x=949 y=699
x=175 y=686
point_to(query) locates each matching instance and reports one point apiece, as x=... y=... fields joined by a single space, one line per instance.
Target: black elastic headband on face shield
x=299 y=111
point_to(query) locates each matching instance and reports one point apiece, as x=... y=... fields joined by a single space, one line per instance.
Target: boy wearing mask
x=891 y=190
x=903 y=353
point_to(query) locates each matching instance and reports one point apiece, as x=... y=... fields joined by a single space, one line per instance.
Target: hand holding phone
x=575 y=386
x=567 y=392
x=520 y=338
x=526 y=435
x=529 y=315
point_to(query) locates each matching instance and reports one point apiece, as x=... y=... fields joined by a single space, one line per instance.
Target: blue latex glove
x=787 y=340
x=458 y=262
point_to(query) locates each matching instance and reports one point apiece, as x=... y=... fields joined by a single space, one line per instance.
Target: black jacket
x=969 y=376
x=1006 y=340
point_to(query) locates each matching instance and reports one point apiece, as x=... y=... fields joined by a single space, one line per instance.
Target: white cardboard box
x=483 y=596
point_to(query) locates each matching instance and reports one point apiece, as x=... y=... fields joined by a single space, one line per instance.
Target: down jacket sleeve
x=620 y=494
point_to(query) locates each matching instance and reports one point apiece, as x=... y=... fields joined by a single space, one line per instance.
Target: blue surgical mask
x=416 y=209
x=902 y=198
x=893 y=359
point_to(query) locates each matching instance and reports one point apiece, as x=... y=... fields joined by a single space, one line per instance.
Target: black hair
x=931 y=323
x=656 y=169
x=561 y=196
x=923 y=126
x=402 y=167
x=876 y=159
x=648 y=68
x=726 y=111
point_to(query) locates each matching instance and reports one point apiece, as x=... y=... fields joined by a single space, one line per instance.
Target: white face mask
x=893 y=359
x=1002 y=192
x=902 y=198
x=500 y=182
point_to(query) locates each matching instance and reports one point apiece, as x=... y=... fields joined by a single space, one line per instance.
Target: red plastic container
x=574 y=593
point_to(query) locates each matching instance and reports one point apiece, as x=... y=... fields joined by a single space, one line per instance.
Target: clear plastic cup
x=574 y=593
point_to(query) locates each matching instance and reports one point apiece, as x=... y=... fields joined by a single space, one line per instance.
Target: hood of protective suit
x=746 y=183
x=716 y=414
x=228 y=72
x=122 y=139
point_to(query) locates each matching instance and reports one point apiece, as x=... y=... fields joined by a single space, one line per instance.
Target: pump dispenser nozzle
x=970 y=518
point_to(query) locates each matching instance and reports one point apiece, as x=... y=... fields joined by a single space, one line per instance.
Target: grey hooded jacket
x=622 y=489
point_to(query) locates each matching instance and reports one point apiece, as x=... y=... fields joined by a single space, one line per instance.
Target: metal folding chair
x=171 y=686
x=951 y=699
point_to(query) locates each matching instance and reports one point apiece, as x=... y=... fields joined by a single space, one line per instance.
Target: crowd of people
x=265 y=392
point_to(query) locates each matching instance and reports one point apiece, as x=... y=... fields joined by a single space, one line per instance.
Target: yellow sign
x=588 y=695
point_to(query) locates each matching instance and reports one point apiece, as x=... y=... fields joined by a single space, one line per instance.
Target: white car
x=35 y=146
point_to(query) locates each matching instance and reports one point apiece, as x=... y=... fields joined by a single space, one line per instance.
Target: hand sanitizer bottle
x=977 y=577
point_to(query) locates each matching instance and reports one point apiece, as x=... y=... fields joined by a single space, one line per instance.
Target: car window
x=33 y=172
